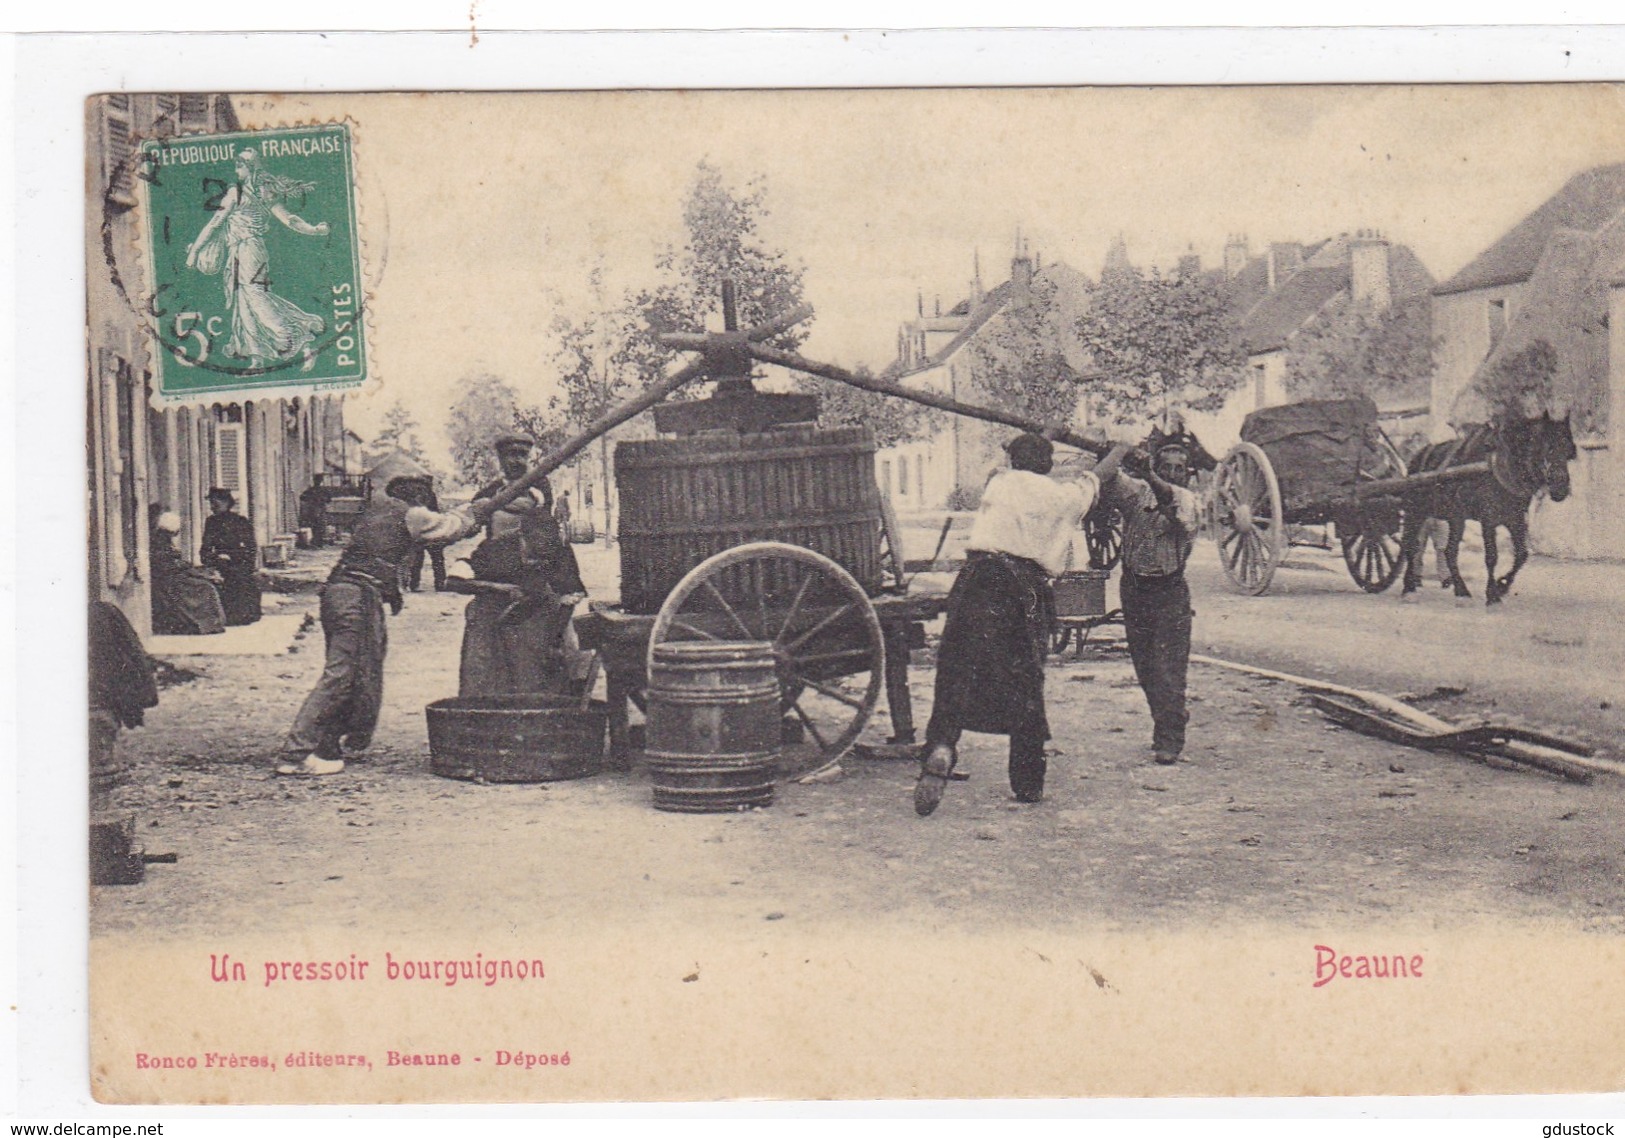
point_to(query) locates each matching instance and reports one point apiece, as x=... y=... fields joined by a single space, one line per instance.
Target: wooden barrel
x=713 y=734
x=684 y=499
x=529 y=737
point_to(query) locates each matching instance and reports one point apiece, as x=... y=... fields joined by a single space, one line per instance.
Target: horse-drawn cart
x=1307 y=464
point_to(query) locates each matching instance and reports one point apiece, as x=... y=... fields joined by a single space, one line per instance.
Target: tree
x=607 y=353
x=400 y=432
x=1519 y=385
x=1019 y=360
x=1159 y=341
x=1356 y=349
x=487 y=407
x=597 y=360
x=723 y=241
x=840 y=404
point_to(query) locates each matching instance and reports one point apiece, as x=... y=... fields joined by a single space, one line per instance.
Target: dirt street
x=1273 y=815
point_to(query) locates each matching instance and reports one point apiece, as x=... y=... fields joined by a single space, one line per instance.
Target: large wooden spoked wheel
x=827 y=644
x=1373 y=548
x=1247 y=508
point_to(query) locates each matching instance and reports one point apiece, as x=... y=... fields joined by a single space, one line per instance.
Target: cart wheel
x=1103 y=534
x=1372 y=548
x=826 y=638
x=892 y=577
x=1247 y=506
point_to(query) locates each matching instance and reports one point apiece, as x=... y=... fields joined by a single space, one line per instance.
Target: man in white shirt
x=990 y=662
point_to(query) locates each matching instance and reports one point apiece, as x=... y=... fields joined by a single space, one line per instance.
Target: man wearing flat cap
x=516 y=633
x=990 y=662
x=1159 y=523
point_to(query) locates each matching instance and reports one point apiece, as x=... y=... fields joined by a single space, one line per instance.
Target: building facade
x=142 y=456
x=1276 y=294
x=1557 y=280
x=947 y=467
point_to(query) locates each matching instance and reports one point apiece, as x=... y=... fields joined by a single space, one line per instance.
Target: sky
x=484 y=212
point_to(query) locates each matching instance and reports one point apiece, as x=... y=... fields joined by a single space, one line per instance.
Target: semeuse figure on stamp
x=265 y=328
x=230 y=550
x=342 y=711
x=517 y=635
x=1159 y=522
x=990 y=662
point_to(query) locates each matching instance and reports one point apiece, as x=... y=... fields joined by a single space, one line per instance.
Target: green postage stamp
x=256 y=266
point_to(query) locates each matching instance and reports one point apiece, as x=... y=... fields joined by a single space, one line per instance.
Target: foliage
x=1520 y=384
x=964 y=498
x=893 y=420
x=487 y=407
x=1019 y=360
x=723 y=242
x=400 y=432
x=594 y=359
x=1355 y=349
x=1159 y=341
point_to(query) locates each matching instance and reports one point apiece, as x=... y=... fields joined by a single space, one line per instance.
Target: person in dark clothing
x=121 y=690
x=436 y=553
x=517 y=635
x=342 y=711
x=313 y=511
x=1159 y=522
x=230 y=550
x=184 y=599
x=990 y=661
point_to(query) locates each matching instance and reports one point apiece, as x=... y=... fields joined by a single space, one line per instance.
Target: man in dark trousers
x=990 y=661
x=1159 y=522
x=342 y=711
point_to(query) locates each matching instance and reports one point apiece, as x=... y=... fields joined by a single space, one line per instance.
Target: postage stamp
x=255 y=260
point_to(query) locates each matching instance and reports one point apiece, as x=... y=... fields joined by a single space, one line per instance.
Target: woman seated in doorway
x=184 y=599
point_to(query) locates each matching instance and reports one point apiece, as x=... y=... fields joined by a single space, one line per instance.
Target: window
x=1498 y=319
x=902 y=475
x=1260 y=386
x=885 y=476
x=194 y=112
x=919 y=475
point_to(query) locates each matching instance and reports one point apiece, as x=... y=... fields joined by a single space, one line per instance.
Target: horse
x=1525 y=456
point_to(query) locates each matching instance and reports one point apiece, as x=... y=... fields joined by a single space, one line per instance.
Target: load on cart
x=1304 y=464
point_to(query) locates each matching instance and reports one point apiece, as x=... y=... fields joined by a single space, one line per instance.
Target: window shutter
x=231 y=459
x=118 y=150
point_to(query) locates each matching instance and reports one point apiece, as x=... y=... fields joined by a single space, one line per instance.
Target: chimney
x=1235 y=255
x=1190 y=264
x=1021 y=270
x=919 y=302
x=1286 y=258
x=938 y=311
x=1368 y=270
x=976 y=292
